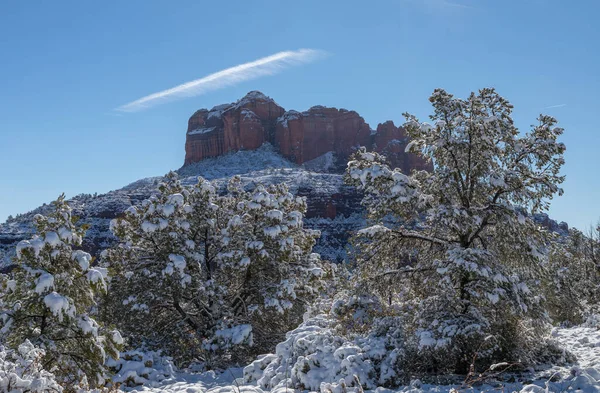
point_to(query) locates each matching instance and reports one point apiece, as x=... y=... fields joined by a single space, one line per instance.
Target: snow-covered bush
x=454 y=250
x=21 y=371
x=137 y=367
x=209 y=277
x=48 y=299
x=315 y=354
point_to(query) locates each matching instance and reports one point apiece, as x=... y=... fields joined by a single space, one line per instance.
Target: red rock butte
x=298 y=136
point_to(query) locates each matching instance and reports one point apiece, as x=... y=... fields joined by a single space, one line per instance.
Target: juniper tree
x=456 y=248
x=199 y=274
x=49 y=298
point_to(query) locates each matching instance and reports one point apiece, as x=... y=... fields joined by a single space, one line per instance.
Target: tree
x=200 y=274
x=455 y=248
x=572 y=288
x=21 y=371
x=49 y=301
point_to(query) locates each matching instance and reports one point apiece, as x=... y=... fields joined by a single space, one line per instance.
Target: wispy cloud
x=453 y=4
x=439 y=5
x=555 y=106
x=269 y=65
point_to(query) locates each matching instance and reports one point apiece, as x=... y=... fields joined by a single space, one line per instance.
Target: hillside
x=313 y=168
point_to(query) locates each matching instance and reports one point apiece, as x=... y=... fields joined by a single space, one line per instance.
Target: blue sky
x=66 y=67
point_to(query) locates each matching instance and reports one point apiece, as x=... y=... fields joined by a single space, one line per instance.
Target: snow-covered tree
x=455 y=249
x=21 y=371
x=49 y=297
x=572 y=286
x=212 y=277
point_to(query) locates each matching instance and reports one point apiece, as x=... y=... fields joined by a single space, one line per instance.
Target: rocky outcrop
x=245 y=125
x=305 y=136
x=300 y=137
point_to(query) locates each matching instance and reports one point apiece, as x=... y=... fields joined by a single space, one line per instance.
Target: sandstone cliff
x=300 y=137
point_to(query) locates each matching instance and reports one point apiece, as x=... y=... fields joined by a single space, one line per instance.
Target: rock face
x=245 y=125
x=300 y=137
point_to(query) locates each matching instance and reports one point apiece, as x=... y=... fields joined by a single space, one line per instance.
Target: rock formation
x=300 y=137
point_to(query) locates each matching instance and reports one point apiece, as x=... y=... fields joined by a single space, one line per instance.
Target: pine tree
x=49 y=299
x=455 y=248
x=199 y=273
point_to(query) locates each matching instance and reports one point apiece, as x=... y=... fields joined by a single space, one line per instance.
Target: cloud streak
x=265 y=66
x=440 y=5
x=456 y=5
x=555 y=106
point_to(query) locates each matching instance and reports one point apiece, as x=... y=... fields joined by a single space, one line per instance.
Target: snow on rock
x=325 y=163
x=240 y=162
x=203 y=130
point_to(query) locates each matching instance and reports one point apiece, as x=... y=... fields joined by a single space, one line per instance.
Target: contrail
x=555 y=106
x=269 y=65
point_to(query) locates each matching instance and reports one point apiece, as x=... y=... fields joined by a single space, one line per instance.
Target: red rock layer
x=298 y=136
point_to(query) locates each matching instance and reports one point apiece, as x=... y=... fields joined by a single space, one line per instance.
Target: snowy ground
x=583 y=376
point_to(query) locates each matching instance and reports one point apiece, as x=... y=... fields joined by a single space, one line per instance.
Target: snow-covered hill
x=333 y=207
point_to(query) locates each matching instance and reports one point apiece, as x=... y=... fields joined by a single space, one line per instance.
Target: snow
x=176 y=199
x=275 y=214
x=147 y=226
x=323 y=163
x=218 y=110
x=168 y=210
x=52 y=238
x=236 y=335
x=240 y=162
x=59 y=305
x=117 y=338
x=320 y=369
x=147 y=368
x=203 y=130
x=374 y=230
x=178 y=262
x=252 y=96
x=21 y=371
x=83 y=258
x=289 y=115
x=88 y=325
x=247 y=114
x=97 y=276
x=44 y=283
x=36 y=243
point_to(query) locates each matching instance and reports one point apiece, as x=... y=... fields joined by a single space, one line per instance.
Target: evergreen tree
x=455 y=248
x=572 y=286
x=201 y=274
x=49 y=299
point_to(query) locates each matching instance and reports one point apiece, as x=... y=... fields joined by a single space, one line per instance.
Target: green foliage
x=209 y=277
x=455 y=250
x=572 y=285
x=49 y=297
